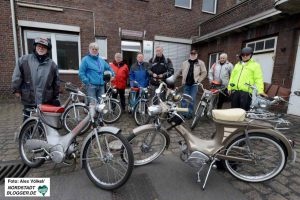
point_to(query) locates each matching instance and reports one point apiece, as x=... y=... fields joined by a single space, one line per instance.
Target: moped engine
x=197 y=159
x=57 y=153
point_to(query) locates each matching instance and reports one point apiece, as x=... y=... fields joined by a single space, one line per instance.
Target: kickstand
x=208 y=172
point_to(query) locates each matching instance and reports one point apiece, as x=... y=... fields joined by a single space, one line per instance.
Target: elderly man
x=91 y=71
x=35 y=78
x=220 y=73
x=193 y=71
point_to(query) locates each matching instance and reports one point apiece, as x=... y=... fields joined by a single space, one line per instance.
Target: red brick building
x=129 y=26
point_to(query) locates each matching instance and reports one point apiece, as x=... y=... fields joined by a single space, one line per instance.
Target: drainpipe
x=13 y=18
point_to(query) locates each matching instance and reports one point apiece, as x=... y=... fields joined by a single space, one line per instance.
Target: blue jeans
x=192 y=91
x=94 y=91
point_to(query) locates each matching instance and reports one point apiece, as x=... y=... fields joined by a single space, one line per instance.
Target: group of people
x=36 y=78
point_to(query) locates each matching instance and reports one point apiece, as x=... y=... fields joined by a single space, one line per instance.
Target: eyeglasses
x=94 y=49
x=245 y=54
x=192 y=53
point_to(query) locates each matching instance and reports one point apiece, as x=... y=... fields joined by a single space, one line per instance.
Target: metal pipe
x=13 y=18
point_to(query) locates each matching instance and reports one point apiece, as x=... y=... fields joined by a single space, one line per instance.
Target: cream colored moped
x=251 y=150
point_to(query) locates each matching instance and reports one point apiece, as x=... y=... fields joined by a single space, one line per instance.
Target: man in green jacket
x=245 y=71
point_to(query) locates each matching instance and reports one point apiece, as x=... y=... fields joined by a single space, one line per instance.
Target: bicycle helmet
x=43 y=41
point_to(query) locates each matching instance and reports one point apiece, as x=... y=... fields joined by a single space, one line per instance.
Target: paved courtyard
x=284 y=186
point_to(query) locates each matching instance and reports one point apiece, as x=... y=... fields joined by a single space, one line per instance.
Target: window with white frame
x=209 y=6
x=263 y=45
x=102 y=42
x=184 y=4
x=65 y=48
x=213 y=58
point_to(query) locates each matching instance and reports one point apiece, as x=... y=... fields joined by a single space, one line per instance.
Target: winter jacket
x=37 y=82
x=91 y=70
x=160 y=65
x=199 y=71
x=249 y=72
x=220 y=73
x=139 y=73
x=122 y=72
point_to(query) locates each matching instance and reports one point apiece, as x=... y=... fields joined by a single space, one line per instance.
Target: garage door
x=177 y=52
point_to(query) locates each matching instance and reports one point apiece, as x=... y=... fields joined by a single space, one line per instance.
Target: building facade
x=271 y=28
x=131 y=26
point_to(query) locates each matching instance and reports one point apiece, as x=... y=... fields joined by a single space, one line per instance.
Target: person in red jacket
x=121 y=75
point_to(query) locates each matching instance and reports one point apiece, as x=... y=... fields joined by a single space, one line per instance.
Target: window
x=184 y=4
x=213 y=58
x=268 y=44
x=102 y=42
x=209 y=6
x=239 y=1
x=65 y=48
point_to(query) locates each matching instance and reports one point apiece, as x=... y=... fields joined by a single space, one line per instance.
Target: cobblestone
x=284 y=186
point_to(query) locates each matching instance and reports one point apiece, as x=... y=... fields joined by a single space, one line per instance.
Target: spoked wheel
x=141 y=116
x=32 y=158
x=73 y=115
x=113 y=113
x=267 y=153
x=147 y=145
x=111 y=165
x=198 y=115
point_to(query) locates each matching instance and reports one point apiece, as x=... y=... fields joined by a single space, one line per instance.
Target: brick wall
x=287 y=32
x=236 y=13
x=7 y=54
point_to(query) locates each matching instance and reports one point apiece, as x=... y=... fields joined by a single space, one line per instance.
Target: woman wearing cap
x=193 y=71
x=35 y=78
x=245 y=71
x=91 y=71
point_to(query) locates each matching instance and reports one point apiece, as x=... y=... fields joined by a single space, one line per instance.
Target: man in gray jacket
x=35 y=78
x=219 y=73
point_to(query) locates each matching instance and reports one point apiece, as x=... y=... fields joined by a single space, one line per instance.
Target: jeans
x=94 y=91
x=191 y=90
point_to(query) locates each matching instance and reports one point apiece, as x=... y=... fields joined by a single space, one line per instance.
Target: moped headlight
x=154 y=110
x=103 y=96
x=100 y=107
x=114 y=91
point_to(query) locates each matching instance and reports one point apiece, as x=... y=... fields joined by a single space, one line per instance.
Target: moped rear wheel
x=147 y=145
x=73 y=115
x=30 y=158
x=140 y=112
x=198 y=115
x=268 y=155
x=111 y=167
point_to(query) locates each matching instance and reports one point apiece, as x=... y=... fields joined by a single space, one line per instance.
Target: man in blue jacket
x=91 y=71
x=139 y=72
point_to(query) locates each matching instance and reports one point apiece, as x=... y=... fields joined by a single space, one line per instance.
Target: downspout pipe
x=13 y=18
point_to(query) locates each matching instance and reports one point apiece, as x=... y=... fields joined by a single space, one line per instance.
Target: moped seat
x=51 y=108
x=233 y=114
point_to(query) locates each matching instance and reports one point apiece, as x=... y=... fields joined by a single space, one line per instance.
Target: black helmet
x=247 y=50
x=43 y=41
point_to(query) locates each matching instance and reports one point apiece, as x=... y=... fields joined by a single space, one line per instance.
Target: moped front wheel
x=147 y=145
x=108 y=160
x=267 y=154
x=198 y=115
x=32 y=130
x=140 y=112
x=113 y=113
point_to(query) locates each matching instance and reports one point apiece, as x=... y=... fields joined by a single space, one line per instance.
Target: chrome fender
x=20 y=128
x=271 y=132
x=100 y=130
x=148 y=127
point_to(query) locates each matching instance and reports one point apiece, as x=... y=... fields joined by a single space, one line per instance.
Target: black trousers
x=241 y=99
x=222 y=98
x=121 y=92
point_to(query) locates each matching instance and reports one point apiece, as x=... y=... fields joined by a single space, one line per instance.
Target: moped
x=105 y=154
x=251 y=150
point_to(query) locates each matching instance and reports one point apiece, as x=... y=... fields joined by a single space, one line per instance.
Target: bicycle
x=207 y=103
x=138 y=104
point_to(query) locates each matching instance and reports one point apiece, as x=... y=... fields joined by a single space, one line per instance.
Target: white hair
x=94 y=45
x=118 y=55
x=224 y=54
